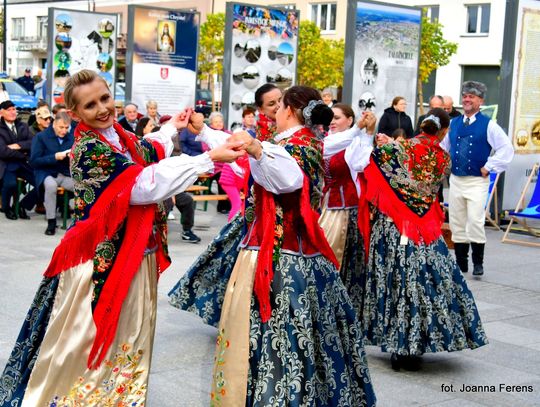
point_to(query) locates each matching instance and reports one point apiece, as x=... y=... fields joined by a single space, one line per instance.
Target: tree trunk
x=212 y=92
x=420 y=98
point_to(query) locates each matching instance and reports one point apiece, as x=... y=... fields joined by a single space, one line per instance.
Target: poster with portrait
x=79 y=40
x=162 y=48
x=381 y=56
x=522 y=36
x=261 y=45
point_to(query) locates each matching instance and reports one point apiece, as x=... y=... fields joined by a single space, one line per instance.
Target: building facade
x=476 y=26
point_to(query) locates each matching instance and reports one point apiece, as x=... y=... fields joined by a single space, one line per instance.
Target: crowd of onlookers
x=34 y=160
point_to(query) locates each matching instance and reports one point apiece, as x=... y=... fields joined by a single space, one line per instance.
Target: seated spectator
x=131 y=117
x=119 y=109
x=15 y=143
x=152 y=112
x=144 y=126
x=248 y=121
x=43 y=120
x=50 y=160
x=59 y=107
x=32 y=118
x=188 y=144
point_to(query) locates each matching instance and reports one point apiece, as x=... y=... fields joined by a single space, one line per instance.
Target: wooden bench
x=197 y=188
x=203 y=198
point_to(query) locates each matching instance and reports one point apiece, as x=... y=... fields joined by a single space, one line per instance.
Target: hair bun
x=322 y=114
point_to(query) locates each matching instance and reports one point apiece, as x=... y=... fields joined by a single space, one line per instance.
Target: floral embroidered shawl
x=107 y=228
x=402 y=181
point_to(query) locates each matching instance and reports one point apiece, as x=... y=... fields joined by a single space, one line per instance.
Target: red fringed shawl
x=402 y=181
x=106 y=216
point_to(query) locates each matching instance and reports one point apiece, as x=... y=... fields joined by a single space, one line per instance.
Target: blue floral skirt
x=309 y=353
x=353 y=265
x=416 y=299
x=202 y=288
x=19 y=366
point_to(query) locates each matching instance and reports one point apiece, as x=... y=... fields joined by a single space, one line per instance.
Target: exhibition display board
x=79 y=40
x=261 y=46
x=382 y=50
x=162 y=58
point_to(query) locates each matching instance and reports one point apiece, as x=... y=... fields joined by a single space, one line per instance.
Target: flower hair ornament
x=306 y=112
x=434 y=119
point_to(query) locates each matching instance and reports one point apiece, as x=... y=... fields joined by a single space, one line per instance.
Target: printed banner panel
x=80 y=40
x=260 y=47
x=163 y=45
x=386 y=52
x=524 y=123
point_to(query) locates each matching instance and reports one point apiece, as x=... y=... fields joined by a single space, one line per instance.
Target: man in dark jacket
x=50 y=160
x=434 y=102
x=15 y=143
x=26 y=81
x=131 y=117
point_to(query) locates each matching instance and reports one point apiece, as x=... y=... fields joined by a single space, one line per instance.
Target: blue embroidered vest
x=469 y=148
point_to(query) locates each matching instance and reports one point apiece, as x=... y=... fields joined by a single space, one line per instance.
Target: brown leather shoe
x=40 y=209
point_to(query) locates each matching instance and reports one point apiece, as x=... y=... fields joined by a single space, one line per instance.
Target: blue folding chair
x=492 y=198
x=531 y=211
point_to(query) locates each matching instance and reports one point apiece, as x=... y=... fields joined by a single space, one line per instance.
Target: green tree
x=211 y=48
x=435 y=52
x=320 y=61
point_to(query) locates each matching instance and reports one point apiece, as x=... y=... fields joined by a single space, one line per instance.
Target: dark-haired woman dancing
x=288 y=334
x=415 y=299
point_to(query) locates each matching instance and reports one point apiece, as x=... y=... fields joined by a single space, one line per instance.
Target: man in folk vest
x=478 y=146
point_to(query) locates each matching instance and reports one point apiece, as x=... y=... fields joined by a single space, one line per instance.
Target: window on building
x=431 y=12
x=324 y=15
x=478 y=18
x=489 y=75
x=42 y=26
x=17 y=28
x=287 y=6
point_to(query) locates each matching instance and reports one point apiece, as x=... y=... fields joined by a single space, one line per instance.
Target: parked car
x=19 y=95
x=203 y=102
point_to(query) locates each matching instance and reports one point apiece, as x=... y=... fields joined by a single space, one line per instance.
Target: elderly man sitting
x=50 y=160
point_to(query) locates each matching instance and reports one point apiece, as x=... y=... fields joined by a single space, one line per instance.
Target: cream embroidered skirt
x=48 y=366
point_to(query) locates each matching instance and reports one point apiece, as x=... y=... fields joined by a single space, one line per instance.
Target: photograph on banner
x=524 y=117
x=80 y=40
x=260 y=46
x=164 y=45
x=385 y=42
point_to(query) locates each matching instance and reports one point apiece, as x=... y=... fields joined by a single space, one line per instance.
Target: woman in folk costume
x=87 y=339
x=202 y=288
x=415 y=299
x=288 y=334
x=339 y=218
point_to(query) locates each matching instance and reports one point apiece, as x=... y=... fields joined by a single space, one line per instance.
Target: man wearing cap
x=15 y=143
x=43 y=120
x=50 y=160
x=471 y=140
x=26 y=81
